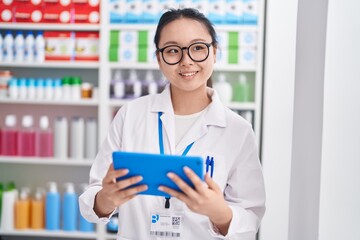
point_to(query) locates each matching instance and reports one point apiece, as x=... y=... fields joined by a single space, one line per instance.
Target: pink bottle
x=9 y=136
x=44 y=144
x=26 y=137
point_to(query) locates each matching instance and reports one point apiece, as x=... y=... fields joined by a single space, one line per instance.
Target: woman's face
x=187 y=75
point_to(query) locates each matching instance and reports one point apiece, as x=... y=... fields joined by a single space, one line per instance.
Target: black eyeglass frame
x=208 y=45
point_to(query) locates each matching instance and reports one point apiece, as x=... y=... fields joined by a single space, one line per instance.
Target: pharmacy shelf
x=82 y=102
x=155 y=66
x=233 y=105
x=50 y=26
x=52 y=234
x=55 y=64
x=46 y=161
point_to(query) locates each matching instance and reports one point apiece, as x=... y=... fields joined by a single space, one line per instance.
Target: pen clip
x=210 y=163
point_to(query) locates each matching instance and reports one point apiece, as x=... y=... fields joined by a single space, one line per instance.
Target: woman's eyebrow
x=192 y=41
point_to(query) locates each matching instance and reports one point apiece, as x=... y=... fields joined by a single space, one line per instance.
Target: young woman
x=229 y=204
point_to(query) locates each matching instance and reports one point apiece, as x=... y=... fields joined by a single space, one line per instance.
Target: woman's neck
x=189 y=102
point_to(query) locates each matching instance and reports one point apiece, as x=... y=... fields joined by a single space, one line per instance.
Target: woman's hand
x=207 y=198
x=113 y=193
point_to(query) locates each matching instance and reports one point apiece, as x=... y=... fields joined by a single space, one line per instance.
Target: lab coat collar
x=214 y=115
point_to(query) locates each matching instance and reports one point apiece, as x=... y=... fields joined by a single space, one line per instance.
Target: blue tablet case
x=154 y=167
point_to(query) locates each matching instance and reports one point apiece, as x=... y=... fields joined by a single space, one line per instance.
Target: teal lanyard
x=161 y=142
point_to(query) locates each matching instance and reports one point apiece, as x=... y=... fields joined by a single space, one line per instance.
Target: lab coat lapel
x=198 y=130
x=163 y=104
x=214 y=115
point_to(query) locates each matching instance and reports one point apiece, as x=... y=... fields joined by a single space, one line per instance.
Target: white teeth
x=188 y=74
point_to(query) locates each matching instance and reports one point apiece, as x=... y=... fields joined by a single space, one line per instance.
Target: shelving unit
x=35 y=171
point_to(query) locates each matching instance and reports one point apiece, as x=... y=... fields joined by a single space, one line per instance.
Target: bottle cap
x=133 y=76
x=24 y=193
x=39 y=193
x=76 y=81
x=117 y=76
x=149 y=77
x=242 y=78
x=27 y=121
x=65 y=81
x=69 y=187
x=52 y=187
x=44 y=122
x=10 y=121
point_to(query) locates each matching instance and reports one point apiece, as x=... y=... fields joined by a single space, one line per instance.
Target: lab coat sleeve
x=100 y=167
x=245 y=193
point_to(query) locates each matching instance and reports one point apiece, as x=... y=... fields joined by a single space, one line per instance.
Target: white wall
x=336 y=209
x=279 y=83
x=340 y=170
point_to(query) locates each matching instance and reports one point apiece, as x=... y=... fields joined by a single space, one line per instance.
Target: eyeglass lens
x=198 y=52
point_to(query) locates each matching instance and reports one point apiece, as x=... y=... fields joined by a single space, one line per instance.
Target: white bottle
x=29 y=47
x=91 y=138
x=8 y=47
x=13 y=90
x=31 y=88
x=40 y=88
x=40 y=47
x=19 y=45
x=77 y=137
x=150 y=84
x=49 y=89
x=133 y=85
x=223 y=88
x=57 y=89
x=22 y=88
x=8 y=204
x=119 y=85
x=61 y=138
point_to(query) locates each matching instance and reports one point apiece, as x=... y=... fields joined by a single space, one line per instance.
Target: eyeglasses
x=173 y=54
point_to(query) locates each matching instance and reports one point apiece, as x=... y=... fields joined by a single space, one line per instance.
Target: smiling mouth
x=188 y=74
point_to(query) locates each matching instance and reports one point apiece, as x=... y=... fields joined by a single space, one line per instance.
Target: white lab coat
x=219 y=132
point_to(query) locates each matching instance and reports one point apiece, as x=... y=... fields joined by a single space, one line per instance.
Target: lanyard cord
x=161 y=148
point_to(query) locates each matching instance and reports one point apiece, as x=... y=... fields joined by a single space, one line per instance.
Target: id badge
x=166 y=224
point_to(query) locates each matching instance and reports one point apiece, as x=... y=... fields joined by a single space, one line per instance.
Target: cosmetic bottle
x=9 y=197
x=37 y=210
x=223 y=88
x=26 y=137
x=77 y=138
x=118 y=85
x=44 y=139
x=22 y=209
x=70 y=208
x=61 y=137
x=52 y=208
x=133 y=86
x=91 y=145
x=9 y=136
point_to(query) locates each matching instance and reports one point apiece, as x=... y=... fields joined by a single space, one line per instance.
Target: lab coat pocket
x=215 y=165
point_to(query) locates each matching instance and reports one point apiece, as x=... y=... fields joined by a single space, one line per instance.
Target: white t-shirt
x=183 y=124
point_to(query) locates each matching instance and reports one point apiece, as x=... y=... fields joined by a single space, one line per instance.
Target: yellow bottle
x=22 y=210
x=37 y=210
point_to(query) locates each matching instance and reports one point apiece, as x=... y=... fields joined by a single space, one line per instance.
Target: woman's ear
x=215 y=51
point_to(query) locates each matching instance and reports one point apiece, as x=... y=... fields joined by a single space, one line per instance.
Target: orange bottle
x=22 y=210
x=37 y=210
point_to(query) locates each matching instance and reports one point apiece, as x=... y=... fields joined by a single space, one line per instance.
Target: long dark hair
x=191 y=13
